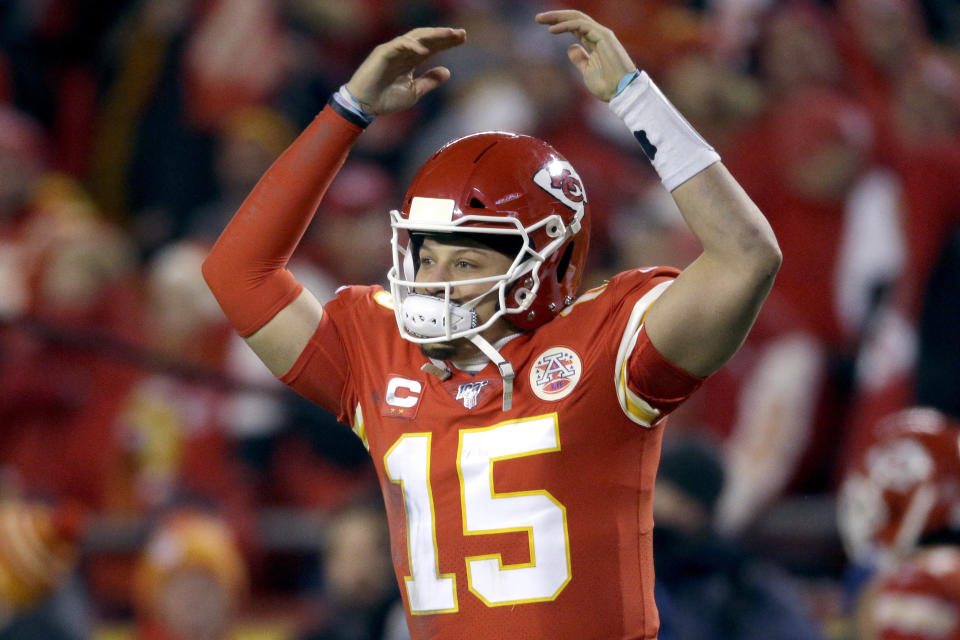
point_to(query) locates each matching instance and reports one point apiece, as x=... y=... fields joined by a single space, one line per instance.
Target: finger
x=579 y=57
x=414 y=45
x=403 y=47
x=438 y=38
x=589 y=33
x=430 y=80
x=583 y=29
x=561 y=15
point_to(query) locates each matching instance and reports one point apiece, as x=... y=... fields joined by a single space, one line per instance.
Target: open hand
x=600 y=57
x=385 y=81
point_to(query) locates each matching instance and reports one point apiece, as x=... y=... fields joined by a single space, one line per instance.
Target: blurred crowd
x=157 y=482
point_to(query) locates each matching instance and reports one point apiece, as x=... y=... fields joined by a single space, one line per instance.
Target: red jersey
x=530 y=523
x=919 y=599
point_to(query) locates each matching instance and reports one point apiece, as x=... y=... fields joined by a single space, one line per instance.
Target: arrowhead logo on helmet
x=559 y=179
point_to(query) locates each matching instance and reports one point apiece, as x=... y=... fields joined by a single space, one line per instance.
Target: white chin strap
x=506 y=369
x=426 y=316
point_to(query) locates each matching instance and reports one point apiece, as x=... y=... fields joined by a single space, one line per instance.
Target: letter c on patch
x=408 y=397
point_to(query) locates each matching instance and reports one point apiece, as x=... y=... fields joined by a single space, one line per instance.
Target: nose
x=432 y=289
x=428 y=280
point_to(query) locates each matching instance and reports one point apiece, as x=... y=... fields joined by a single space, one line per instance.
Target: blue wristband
x=345 y=99
x=626 y=80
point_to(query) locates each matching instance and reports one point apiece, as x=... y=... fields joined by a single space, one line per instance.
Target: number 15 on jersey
x=485 y=511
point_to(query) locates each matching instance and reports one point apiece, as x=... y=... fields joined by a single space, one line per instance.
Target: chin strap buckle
x=506 y=370
x=436 y=368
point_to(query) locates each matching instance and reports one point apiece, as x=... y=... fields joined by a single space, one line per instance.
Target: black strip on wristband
x=346 y=114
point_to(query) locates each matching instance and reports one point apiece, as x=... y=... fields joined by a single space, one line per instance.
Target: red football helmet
x=494 y=184
x=918 y=599
x=904 y=485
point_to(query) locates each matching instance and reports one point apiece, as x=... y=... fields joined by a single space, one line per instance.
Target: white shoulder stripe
x=633 y=406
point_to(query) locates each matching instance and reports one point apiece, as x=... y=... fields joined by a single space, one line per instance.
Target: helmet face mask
x=480 y=187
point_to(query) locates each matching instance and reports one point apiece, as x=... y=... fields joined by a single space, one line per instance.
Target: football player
x=899 y=519
x=919 y=599
x=515 y=427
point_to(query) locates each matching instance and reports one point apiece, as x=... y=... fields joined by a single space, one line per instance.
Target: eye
x=463 y=264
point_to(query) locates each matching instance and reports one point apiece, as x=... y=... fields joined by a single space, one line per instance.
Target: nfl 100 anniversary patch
x=472 y=393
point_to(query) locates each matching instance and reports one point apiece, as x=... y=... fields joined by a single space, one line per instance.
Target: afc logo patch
x=555 y=373
x=559 y=179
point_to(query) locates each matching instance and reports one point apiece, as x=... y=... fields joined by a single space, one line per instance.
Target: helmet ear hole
x=411 y=263
x=476 y=204
x=564 y=262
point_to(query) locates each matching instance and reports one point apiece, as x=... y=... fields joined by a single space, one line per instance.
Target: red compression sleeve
x=246 y=269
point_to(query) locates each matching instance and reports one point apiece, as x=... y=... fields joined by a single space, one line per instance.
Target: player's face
x=442 y=262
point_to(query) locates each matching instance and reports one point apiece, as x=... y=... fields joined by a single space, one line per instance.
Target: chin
x=444 y=350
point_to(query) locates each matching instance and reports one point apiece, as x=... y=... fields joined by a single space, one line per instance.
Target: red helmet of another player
x=918 y=599
x=904 y=485
x=514 y=193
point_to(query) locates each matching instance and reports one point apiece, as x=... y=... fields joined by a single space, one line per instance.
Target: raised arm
x=246 y=270
x=703 y=318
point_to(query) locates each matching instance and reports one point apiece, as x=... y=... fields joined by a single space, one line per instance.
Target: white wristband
x=674 y=148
